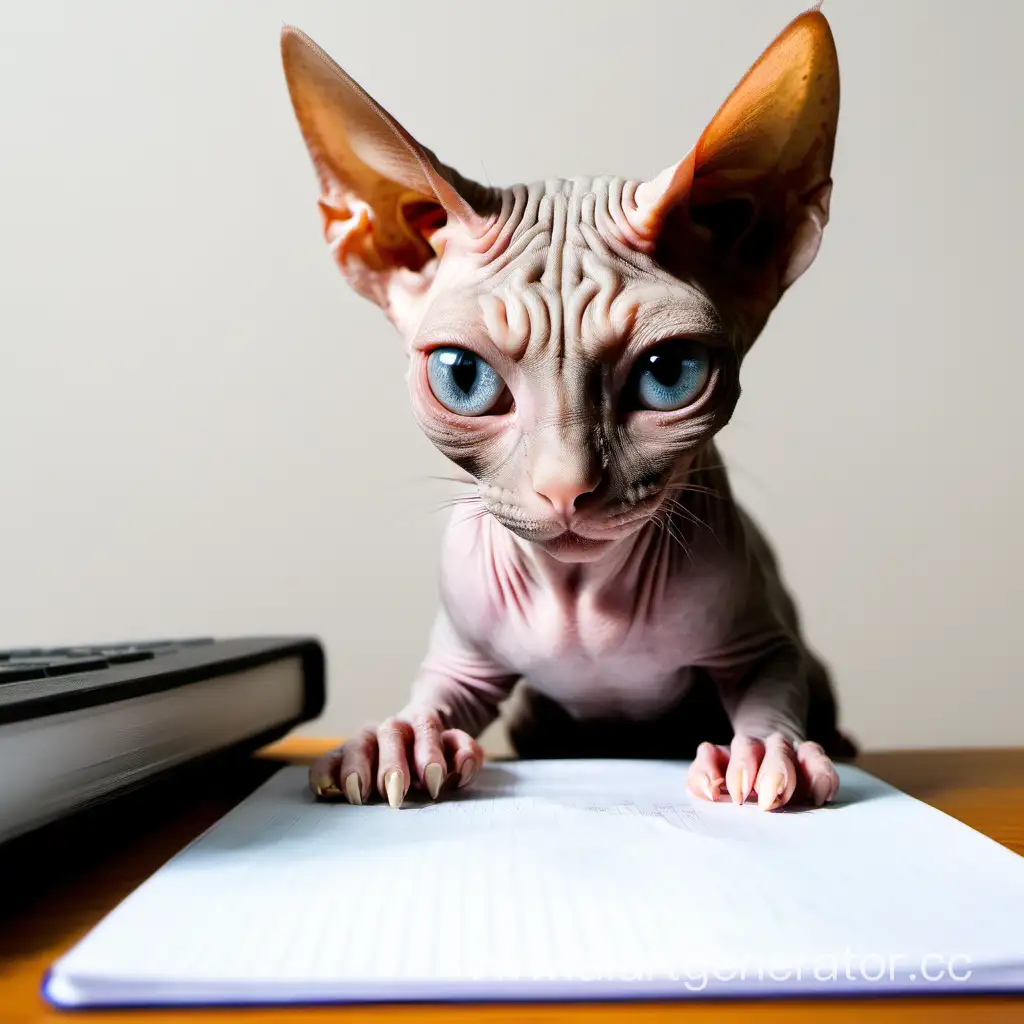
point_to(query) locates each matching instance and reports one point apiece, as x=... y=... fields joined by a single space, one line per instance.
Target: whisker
x=461 y=499
x=678 y=506
x=681 y=509
x=694 y=489
x=457 y=501
x=674 y=533
x=450 y=479
x=444 y=506
x=701 y=468
x=429 y=478
x=474 y=516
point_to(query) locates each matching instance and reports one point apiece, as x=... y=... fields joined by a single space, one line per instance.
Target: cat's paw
x=772 y=769
x=387 y=760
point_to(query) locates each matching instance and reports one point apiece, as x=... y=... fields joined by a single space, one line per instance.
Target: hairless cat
x=575 y=346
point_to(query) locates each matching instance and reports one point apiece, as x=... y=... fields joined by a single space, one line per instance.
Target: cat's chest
x=552 y=626
x=626 y=635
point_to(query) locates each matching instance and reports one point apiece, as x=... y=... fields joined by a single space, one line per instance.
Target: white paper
x=561 y=880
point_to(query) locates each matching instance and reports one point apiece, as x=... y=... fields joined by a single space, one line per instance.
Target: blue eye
x=671 y=375
x=462 y=382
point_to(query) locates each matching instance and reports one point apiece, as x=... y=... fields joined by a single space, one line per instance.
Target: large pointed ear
x=383 y=196
x=758 y=182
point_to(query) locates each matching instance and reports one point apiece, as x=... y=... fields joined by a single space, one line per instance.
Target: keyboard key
x=72 y=666
x=124 y=657
x=38 y=662
x=162 y=645
x=16 y=673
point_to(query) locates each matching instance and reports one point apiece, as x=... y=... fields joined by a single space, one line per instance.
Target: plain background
x=203 y=431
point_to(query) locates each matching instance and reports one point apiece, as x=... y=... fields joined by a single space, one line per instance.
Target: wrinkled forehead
x=562 y=280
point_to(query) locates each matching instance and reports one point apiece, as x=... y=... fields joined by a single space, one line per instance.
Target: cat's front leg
x=774 y=769
x=431 y=743
x=410 y=750
x=770 y=755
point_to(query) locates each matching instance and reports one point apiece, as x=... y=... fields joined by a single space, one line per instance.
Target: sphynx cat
x=575 y=346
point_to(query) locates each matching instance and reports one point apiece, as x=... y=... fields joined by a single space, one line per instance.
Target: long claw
x=745 y=785
x=468 y=772
x=821 y=790
x=433 y=776
x=352 y=789
x=325 y=786
x=770 y=788
x=394 y=784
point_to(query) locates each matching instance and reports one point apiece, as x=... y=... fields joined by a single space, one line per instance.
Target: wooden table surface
x=54 y=891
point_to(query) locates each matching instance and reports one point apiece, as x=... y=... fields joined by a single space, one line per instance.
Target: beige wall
x=202 y=431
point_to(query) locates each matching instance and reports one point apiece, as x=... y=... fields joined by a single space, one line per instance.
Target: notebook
x=561 y=880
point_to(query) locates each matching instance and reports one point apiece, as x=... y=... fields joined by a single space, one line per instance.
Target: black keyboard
x=123 y=714
x=24 y=663
x=37 y=681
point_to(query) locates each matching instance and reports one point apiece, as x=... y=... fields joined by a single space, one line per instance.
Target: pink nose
x=562 y=490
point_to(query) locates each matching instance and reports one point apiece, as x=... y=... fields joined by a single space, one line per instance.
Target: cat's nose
x=563 y=486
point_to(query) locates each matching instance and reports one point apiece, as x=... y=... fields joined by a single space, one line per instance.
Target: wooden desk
x=67 y=886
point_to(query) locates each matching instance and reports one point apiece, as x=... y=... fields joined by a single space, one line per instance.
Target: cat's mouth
x=583 y=540
x=583 y=536
x=571 y=546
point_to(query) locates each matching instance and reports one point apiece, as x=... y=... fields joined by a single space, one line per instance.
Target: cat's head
x=574 y=343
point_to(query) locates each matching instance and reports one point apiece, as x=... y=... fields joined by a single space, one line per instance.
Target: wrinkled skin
x=600 y=561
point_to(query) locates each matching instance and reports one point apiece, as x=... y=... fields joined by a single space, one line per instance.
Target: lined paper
x=561 y=880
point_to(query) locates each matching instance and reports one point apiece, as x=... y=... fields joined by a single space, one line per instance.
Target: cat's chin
x=571 y=547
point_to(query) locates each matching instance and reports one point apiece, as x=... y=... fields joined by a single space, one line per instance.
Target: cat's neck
x=608 y=563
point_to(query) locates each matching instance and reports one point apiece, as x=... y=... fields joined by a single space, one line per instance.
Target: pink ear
x=383 y=195
x=759 y=179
